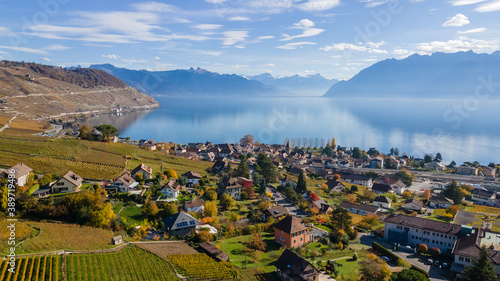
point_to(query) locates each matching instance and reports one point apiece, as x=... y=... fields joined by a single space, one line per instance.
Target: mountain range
x=200 y=82
x=440 y=75
x=311 y=85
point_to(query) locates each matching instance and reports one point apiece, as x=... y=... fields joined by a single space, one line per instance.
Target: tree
x=454 y=192
x=301 y=186
x=409 y=275
x=354 y=188
x=422 y=248
x=107 y=131
x=171 y=208
x=452 y=210
x=351 y=198
x=210 y=209
x=243 y=171
x=427 y=158
x=332 y=144
x=328 y=151
x=372 y=151
x=481 y=268
x=340 y=218
x=256 y=242
x=86 y=132
x=407 y=194
x=210 y=195
x=139 y=177
x=171 y=174
x=439 y=156
x=268 y=170
x=150 y=209
x=427 y=194
x=4 y=197
x=405 y=177
x=247 y=139
x=356 y=153
x=374 y=268
x=102 y=217
x=226 y=201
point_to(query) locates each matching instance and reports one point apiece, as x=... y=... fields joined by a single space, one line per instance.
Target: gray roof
x=424 y=224
x=480 y=192
x=382 y=199
x=73 y=178
x=20 y=170
x=179 y=221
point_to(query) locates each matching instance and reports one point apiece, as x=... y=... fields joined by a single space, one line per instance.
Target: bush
x=377 y=247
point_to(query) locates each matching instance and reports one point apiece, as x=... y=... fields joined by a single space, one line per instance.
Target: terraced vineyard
x=34 y=267
x=131 y=263
x=99 y=170
x=203 y=267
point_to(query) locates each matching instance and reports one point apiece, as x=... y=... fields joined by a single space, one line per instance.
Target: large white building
x=412 y=231
x=484 y=197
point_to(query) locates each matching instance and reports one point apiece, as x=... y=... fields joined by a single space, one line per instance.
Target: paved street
x=283 y=201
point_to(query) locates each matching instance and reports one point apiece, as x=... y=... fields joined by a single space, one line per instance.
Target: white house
x=197 y=205
x=20 y=171
x=143 y=169
x=171 y=190
x=382 y=202
x=484 y=197
x=413 y=204
x=411 y=231
x=192 y=178
x=360 y=209
x=70 y=182
x=359 y=180
x=469 y=246
x=439 y=201
x=124 y=183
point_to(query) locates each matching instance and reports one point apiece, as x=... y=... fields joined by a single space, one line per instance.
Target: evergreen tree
x=301 y=186
x=481 y=269
x=242 y=170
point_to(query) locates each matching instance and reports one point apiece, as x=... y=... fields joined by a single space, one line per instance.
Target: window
x=282 y=239
x=301 y=238
x=294 y=241
x=60 y=183
x=461 y=258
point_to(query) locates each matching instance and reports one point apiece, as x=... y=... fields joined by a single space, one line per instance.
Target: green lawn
x=348 y=267
x=237 y=253
x=132 y=215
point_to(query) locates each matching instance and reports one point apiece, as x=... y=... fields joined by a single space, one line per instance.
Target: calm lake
x=462 y=130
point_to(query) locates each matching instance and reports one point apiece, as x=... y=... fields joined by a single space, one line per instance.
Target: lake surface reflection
x=414 y=126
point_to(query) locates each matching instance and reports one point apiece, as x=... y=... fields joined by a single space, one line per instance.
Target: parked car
x=385 y=258
x=437 y=263
x=445 y=265
x=429 y=261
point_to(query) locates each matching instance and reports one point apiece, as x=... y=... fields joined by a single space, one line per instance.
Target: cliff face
x=39 y=91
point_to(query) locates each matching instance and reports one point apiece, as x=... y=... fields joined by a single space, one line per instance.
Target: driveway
x=283 y=201
x=324 y=277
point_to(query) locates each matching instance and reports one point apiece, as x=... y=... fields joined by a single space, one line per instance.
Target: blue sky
x=336 y=38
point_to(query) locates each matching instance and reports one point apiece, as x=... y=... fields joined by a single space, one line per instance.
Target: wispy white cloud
x=457 y=45
x=294 y=45
x=491 y=6
x=157 y=58
x=233 y=37
x=373 y=3
x=154 y=7
x=24 y=49
x=46 y=59
x=215 y=1
x=56 y=47
x=370 y=47
x=207 y=26
x=319 y=5
x=239 y=18
x=475 y=30
x=465 y=2
x=210 y=53
x=307 y=27
x=457 y=20
x=4 y=30
x=113 y=56
x=265 y=37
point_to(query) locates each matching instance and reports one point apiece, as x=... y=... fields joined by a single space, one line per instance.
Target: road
x=283 y=201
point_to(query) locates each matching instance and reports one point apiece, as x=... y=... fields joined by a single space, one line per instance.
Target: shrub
x=422 y=248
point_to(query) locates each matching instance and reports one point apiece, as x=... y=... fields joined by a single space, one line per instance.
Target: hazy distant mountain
x=439 y=75
x=189 y=82
x=311 y=85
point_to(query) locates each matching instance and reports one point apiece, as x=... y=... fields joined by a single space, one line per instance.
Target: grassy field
x=483 y=209
x=43 y=237
x=203 y=267
x=132 y=215
x=239 y=256
x=96 y=160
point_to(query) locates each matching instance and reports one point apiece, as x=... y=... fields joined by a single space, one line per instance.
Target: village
x=294 y=213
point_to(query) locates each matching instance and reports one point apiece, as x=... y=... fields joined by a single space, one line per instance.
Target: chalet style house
x=192 y=178
x=180 y=224
x=143 y=169
x=70 y=182
x=21 y=173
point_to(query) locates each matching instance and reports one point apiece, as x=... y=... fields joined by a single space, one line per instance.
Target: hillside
x=30 y=90
x=438 y=75
x=311 y=85
x=189 y=82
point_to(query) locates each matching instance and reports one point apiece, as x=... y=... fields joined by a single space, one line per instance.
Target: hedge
x=393 y=257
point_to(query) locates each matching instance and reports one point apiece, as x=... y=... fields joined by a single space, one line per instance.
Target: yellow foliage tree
x=210 y=209
x=171 y=174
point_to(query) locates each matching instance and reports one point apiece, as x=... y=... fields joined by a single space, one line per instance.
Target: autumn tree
x=210 y=195
x=87 y=132
x=226 y=201
x=374 y=268
x=247 y=139
x=256 y=242
x=409 y=275
x=454 y=192
x=210 y=209
x=422 y=248
x=351 y=198
x=453 y=210
x=102 y=217
x=407 y=194
x=171 y=208
x=171 y=174
x=427 y=194
x=150 y=209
